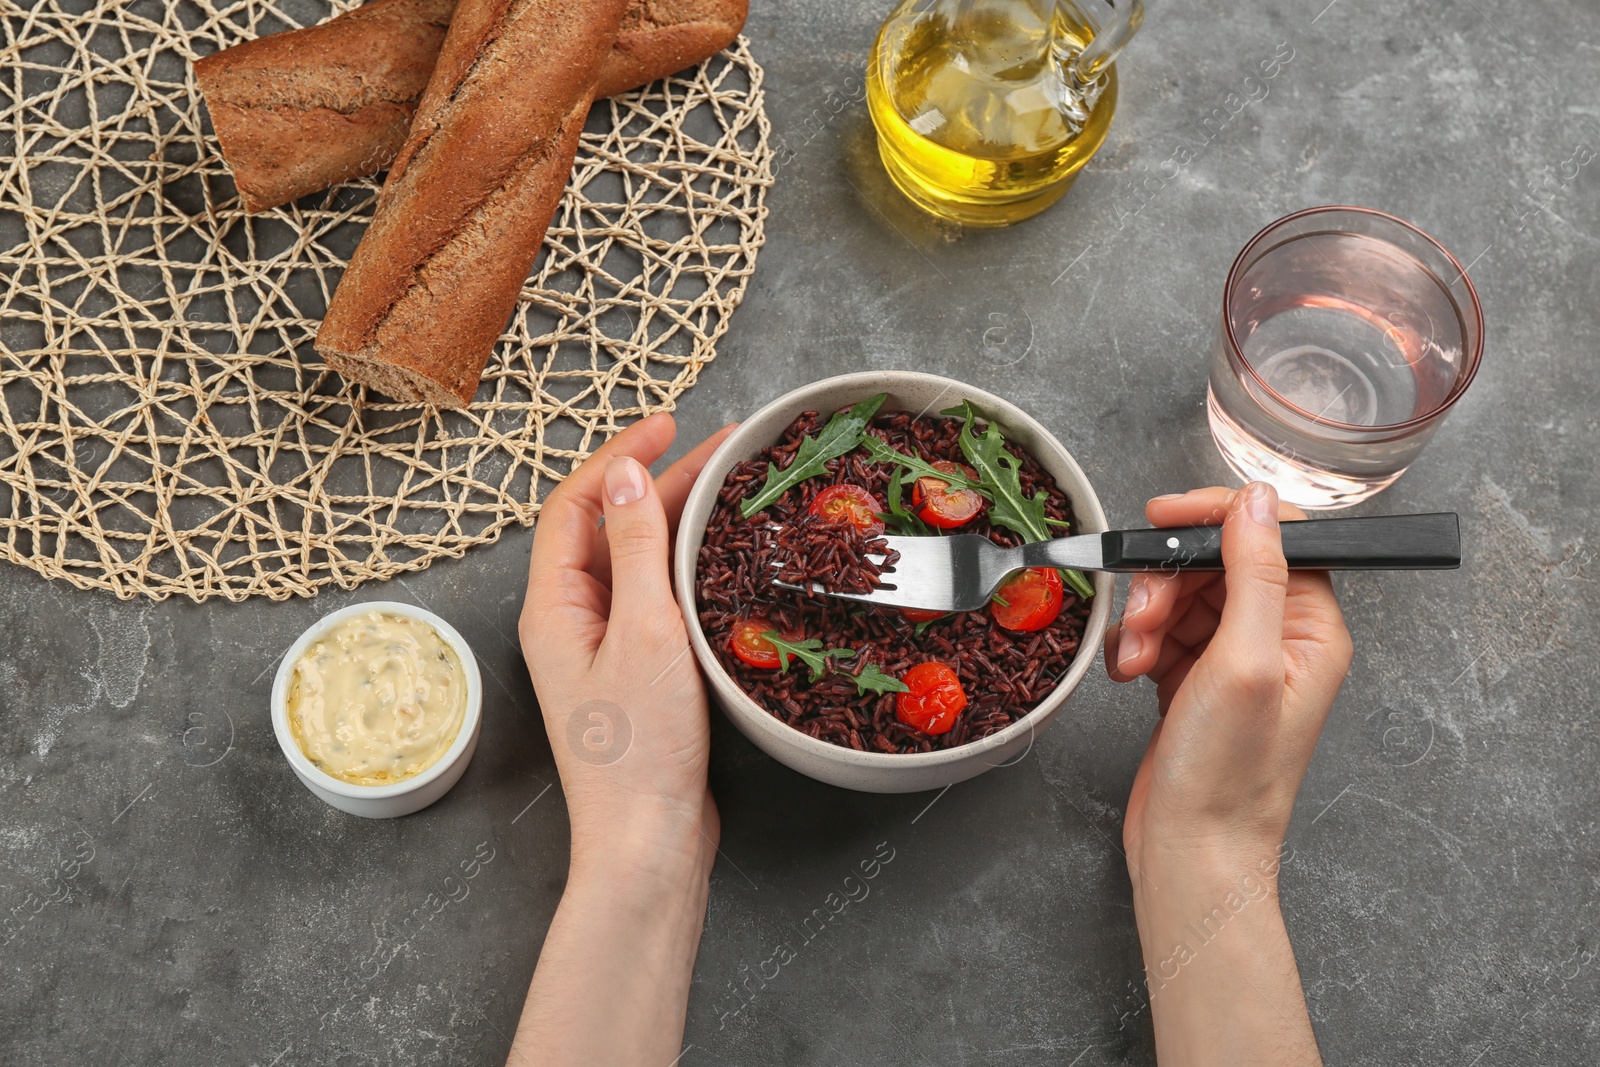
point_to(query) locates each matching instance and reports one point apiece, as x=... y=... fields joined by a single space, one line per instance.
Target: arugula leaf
x=842 y=434
x=897 y=516
x=878 y=449
x=809 y=651
x=999 y=473
x=872 y=679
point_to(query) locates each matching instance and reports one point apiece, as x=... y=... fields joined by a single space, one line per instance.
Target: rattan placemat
x=165 y=424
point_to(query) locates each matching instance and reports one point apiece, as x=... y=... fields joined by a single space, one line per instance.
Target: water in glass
x=1335 y=344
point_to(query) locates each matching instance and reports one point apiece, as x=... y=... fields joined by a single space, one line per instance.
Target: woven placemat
x=165 y=424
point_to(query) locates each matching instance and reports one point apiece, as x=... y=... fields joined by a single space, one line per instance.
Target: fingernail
x=624 y=481
x=1138 y=597
x=1129 y=645
x=1261 y=501
x=1167 y=496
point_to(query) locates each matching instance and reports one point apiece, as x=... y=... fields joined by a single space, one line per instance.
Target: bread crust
x=463 y=212
x=299 y=111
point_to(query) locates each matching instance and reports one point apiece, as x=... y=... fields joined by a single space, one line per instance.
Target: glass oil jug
x=986 y=110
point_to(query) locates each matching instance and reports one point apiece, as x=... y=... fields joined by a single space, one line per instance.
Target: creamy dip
x=377 y=699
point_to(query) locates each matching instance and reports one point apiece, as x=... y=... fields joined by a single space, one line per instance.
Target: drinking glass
x=1346 y=336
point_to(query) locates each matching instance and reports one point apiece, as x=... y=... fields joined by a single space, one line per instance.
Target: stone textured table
x=1444 y=887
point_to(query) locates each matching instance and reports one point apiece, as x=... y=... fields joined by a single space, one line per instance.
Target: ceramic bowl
x=881 y=772
x=399 y=798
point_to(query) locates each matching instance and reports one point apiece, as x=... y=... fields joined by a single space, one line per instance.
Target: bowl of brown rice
x=861 y=696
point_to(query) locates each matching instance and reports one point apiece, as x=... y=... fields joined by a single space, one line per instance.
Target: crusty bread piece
x=661 y=37
x=299 y=111
x=462 y=215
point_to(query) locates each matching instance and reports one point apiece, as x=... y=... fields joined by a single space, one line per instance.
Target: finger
x=1202 y=507
x=1135 y=653
x=1126 y=652
x=1315 y=605
x=1112 y=642
x=1197 y=507
x=673 y=487
x=1170 y=606
x=1185 y=636
x=1250 y=635
x=1151 y=598
x=636 y=531
x=1197 y=623
x=675 y=483
x=1190 y=627
x=1316 y=642
x=1131 y=652
x=565 y=607
x=566 y=535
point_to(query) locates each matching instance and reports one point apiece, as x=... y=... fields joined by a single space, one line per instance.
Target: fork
x=963 y=571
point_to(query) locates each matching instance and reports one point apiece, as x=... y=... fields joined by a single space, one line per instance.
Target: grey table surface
x=1442 y=894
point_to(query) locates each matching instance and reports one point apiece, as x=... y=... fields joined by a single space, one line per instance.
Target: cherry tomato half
x=748 y=644
x=922 y=614
x=1032 y=600
x=850 y=503
x=937 y=504
x=934 y=700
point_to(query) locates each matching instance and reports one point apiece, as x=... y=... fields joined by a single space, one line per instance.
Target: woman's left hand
x=621 y=694
x=625 y=709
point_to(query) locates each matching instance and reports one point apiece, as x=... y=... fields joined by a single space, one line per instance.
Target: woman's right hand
x=1246 y=665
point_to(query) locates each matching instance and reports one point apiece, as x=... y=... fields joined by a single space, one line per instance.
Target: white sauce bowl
x=403 y=797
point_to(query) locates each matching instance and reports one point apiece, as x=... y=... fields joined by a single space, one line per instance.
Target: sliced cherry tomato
x=748 y=644
x=1028 y=600
x=934 y=699
x=922 y=614
x=937 y=504
x=850 y=503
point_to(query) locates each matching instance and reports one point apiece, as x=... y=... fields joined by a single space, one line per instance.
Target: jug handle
x=1110 y=38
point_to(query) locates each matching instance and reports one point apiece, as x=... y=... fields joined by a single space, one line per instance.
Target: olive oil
x=978 y=117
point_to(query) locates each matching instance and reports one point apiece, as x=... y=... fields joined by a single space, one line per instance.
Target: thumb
x=1250 y=635
x=636 y=533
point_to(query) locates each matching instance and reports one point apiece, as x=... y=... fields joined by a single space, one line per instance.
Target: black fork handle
x=1379 y=543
